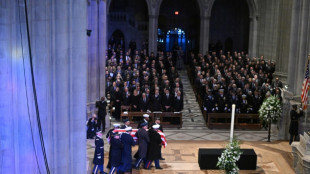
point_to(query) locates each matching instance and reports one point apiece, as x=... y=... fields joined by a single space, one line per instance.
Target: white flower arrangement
x=229 y=157
x=270 y=109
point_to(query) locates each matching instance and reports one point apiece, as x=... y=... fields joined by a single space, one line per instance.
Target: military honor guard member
x=146 y=118
x=126 y=124
x=99 y=154
x=144 y=139
x=294 y=123
x=109 y=136
x=116 y=147
x=153 y=153
x=128 y=142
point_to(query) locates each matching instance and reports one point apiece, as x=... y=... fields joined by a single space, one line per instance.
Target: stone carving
x=301 y=154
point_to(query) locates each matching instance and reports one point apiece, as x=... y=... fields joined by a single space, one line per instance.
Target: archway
x=229 y=25
x=131 y=17
x=184 y=15
x=117 y=39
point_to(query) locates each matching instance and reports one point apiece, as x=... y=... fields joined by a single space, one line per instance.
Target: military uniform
x=116 y=147
x=98 y=156
x=126 y=161
x=294 y=125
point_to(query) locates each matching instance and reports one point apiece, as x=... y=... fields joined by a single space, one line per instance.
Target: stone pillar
x=97 y=45
x=93 y=82
x=204 y=34
x=299 y=38
x=59 y=50
x=253 y=36
x=153 y=25
x=103 y=42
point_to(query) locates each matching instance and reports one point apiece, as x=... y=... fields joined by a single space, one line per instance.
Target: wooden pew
x=242 y=121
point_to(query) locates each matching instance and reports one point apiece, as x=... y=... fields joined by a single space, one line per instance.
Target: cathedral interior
x=54 y=56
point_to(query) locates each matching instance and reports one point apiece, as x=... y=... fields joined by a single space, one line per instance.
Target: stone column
x=103 y=41
x=253 y=36
x=93 y=82
x=153 y=25
x=204 y=34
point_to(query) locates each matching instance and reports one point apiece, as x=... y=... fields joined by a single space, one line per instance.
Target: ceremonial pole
x=306 y=115
x=232 y=122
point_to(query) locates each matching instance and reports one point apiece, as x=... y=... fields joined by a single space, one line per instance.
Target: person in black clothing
x=116 y=147
x=102 y=112
x=135 y=101
x=117 y=103
x=157 y=122
x=294 y=123
x=144 y=103
x=126 y=124
x=167 y=101
x=92 y=127
x=154 y=148
x=178 y=102
x=156 y=101
x=109 y=136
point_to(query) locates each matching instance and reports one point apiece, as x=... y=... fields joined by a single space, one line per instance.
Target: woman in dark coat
x=294 y=123
x=115 y=153
x=153 y=153
x=135 y=101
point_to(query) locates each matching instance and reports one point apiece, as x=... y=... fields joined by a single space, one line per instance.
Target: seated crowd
x=141 y=83
x=233 y=78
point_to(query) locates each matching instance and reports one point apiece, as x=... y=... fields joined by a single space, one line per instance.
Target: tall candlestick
x=232 y=122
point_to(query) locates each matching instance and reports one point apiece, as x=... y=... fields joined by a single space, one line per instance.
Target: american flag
x=133 y=134
x=305 y=88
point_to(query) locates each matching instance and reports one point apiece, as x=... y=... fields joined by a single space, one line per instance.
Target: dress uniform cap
x=125 y=120
x=116 y=125
x=156 y=126
x=143 y=124
x=128 y=128
x=146 y=115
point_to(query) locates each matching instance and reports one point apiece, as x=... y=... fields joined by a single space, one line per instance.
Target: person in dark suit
x=92 y=127
x=144 y=103
x=102 y=112
x=178 y=103
x=128 y=142
x=116 y=147
x=156 y=101
x=294 y=123
x=209 y=102
x=117 y=98
x=167 y=101
x=99 y=154
x=126 y=99
x=146 y=118
x=153 y=153
x=144 y=139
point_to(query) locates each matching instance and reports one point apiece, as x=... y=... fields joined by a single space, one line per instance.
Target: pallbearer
x=154 y=148
x=128 y=142
x=99 y=154
x=116 y=148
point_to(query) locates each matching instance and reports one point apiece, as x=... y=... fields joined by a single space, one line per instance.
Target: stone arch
x=253 y=16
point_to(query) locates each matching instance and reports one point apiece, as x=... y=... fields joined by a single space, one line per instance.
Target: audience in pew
x=233 y=78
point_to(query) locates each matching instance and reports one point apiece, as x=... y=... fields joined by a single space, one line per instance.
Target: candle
x=232 y=122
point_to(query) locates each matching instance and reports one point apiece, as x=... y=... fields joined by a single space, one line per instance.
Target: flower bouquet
x=270 y=111
x=229 y=157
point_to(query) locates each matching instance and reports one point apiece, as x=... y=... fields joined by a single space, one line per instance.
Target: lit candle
x=232 y=122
